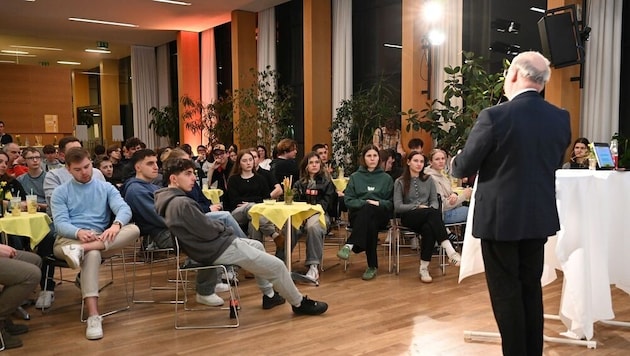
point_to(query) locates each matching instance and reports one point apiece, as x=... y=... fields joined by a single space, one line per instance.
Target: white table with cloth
x=591 y=247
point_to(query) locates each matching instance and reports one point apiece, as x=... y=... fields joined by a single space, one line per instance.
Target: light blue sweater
x=87 y=206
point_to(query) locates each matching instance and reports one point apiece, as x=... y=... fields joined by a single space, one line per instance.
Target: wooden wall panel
x=27 y=93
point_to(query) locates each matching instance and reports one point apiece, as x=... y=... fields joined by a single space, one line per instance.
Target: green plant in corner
x=469 y=89
x=165 y=122
x=214 y=120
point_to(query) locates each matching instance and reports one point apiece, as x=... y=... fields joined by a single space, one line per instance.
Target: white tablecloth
x=592 y=247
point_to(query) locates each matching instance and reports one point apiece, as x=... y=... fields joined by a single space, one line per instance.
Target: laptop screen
x=604 y=156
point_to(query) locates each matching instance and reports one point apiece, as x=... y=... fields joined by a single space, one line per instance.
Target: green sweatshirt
x=364 y=185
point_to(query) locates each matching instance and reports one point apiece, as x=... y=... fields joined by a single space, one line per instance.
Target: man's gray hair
x=528 y=67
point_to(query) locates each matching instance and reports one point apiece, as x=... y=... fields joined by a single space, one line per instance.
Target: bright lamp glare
x=436 y=37
x=433 y=11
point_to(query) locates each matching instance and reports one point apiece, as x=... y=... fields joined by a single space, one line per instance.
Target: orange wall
x=27 y=93
x=189 y=81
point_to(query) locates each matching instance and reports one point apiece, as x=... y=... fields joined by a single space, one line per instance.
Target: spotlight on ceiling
x=507 y=26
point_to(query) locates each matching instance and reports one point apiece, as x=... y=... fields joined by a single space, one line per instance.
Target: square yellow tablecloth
x=35 y=226
x=279 y=213
x=213 y=194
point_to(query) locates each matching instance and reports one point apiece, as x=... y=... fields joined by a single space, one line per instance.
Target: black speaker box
x=559 y=39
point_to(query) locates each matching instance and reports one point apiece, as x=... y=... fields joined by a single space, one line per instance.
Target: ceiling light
x=392 y=45
x=36 y=47
x=174 y=2
x=436 y=37
x=97 y=50
x=69 y=63
x=10 y=51
x=3 y=61
x=433 y=11
x=101 y=22
x=91 y=73
x=17 y=55
x=537 y=9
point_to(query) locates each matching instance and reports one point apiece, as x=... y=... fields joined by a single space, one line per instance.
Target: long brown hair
x=304 y=175
x=406 y=176
x=237 y=170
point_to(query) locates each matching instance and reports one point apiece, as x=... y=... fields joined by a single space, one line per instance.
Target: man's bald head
x=528 y=70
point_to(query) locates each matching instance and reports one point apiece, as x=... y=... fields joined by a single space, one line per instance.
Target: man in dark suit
x=516 y=148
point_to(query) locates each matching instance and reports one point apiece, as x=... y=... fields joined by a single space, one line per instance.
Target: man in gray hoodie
x=211 y=242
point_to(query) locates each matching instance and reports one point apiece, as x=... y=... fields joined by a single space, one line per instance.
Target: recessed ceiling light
x=537 y=9
x=91 y=73
x=174 y=2
x=101 y=22
x=3 y=61
x=10 y=51
x=17 y=55
x=97 y=50
x=69 y=63
x=390 y=45
x=36 y=47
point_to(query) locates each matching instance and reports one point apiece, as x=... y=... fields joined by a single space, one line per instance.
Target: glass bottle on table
x=614 y=150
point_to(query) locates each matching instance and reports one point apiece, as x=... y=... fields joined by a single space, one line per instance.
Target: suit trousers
x=513 y=272
x=366 y=222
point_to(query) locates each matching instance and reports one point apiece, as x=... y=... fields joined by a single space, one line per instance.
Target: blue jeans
x=226 y=218
x=457 y=215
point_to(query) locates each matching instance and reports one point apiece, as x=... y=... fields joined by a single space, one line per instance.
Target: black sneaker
x=310 y=307
x=15 y=329
x=274 y=301
x=10 y=341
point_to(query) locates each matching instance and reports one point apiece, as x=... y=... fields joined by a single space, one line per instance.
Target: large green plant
x=265 y=110
x=357 y=118
x=165 y=122
x=469 y=89
x=214 y=120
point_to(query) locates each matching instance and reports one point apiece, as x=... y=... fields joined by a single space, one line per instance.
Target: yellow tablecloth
x=280 y=212
x=35 y=226
x=341 y=183
x=213 y=194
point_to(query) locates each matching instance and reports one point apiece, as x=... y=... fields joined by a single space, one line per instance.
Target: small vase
x=288 y=199
x=592 y=164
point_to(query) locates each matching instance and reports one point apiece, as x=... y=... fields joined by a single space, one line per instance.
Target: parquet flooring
x=391 y=315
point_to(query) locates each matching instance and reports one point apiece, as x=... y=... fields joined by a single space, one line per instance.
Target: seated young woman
x=313 y=178
x=579 y=158
x=454 y=211
x=368 y=197
x=244 y=189
x=415 y=201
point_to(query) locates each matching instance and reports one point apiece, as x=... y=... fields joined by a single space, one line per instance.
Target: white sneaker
x=212 y=300
x=425 y=276
x=221 y=287
x=45 y=299
x=414 y=243
x=73 y=255
x=313 y=272
x=94 y=329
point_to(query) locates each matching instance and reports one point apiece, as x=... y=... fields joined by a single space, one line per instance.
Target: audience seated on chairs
x=389 y=164
x=368 y=197
x=138 y=193
x=246 y=188
x=85 y=229
x=454 y=211
x=14 y=168
x=213 y=211
x=274 y=186
x=265 y=161
x=51 y=160
x=416 y=202
x=19 y=274
x=33 y=182
x=211 y=242
x=579 y=156
x=219 y=170
x=313 y=178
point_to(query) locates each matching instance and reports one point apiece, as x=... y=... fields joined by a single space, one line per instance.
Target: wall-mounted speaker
x=559 y=39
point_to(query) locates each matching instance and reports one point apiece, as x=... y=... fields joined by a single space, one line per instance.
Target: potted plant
x=265 y=110
x=469 y=89
x=214 y=120
x=356 y=119
x=165 y=122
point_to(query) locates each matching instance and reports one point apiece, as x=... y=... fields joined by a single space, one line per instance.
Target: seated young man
x=211 y=242
x=82 y=211
x=138 y=193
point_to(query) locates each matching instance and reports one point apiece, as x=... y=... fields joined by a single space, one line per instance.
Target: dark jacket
x=281 y=168
x=364 y=185
x=516 y=147
x=139 y=195
x=325 y=191
x=202 y=239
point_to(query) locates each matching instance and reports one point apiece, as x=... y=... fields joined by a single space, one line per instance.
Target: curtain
x=600 y=97
x=144 y=91
x=267 y=39
x=208 y=67
x=450 y=52
x=341 y=52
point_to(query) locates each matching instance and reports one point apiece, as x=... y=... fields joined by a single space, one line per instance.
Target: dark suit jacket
x=516 y=147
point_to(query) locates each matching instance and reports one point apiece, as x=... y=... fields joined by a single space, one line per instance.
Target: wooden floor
x=391 y=315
